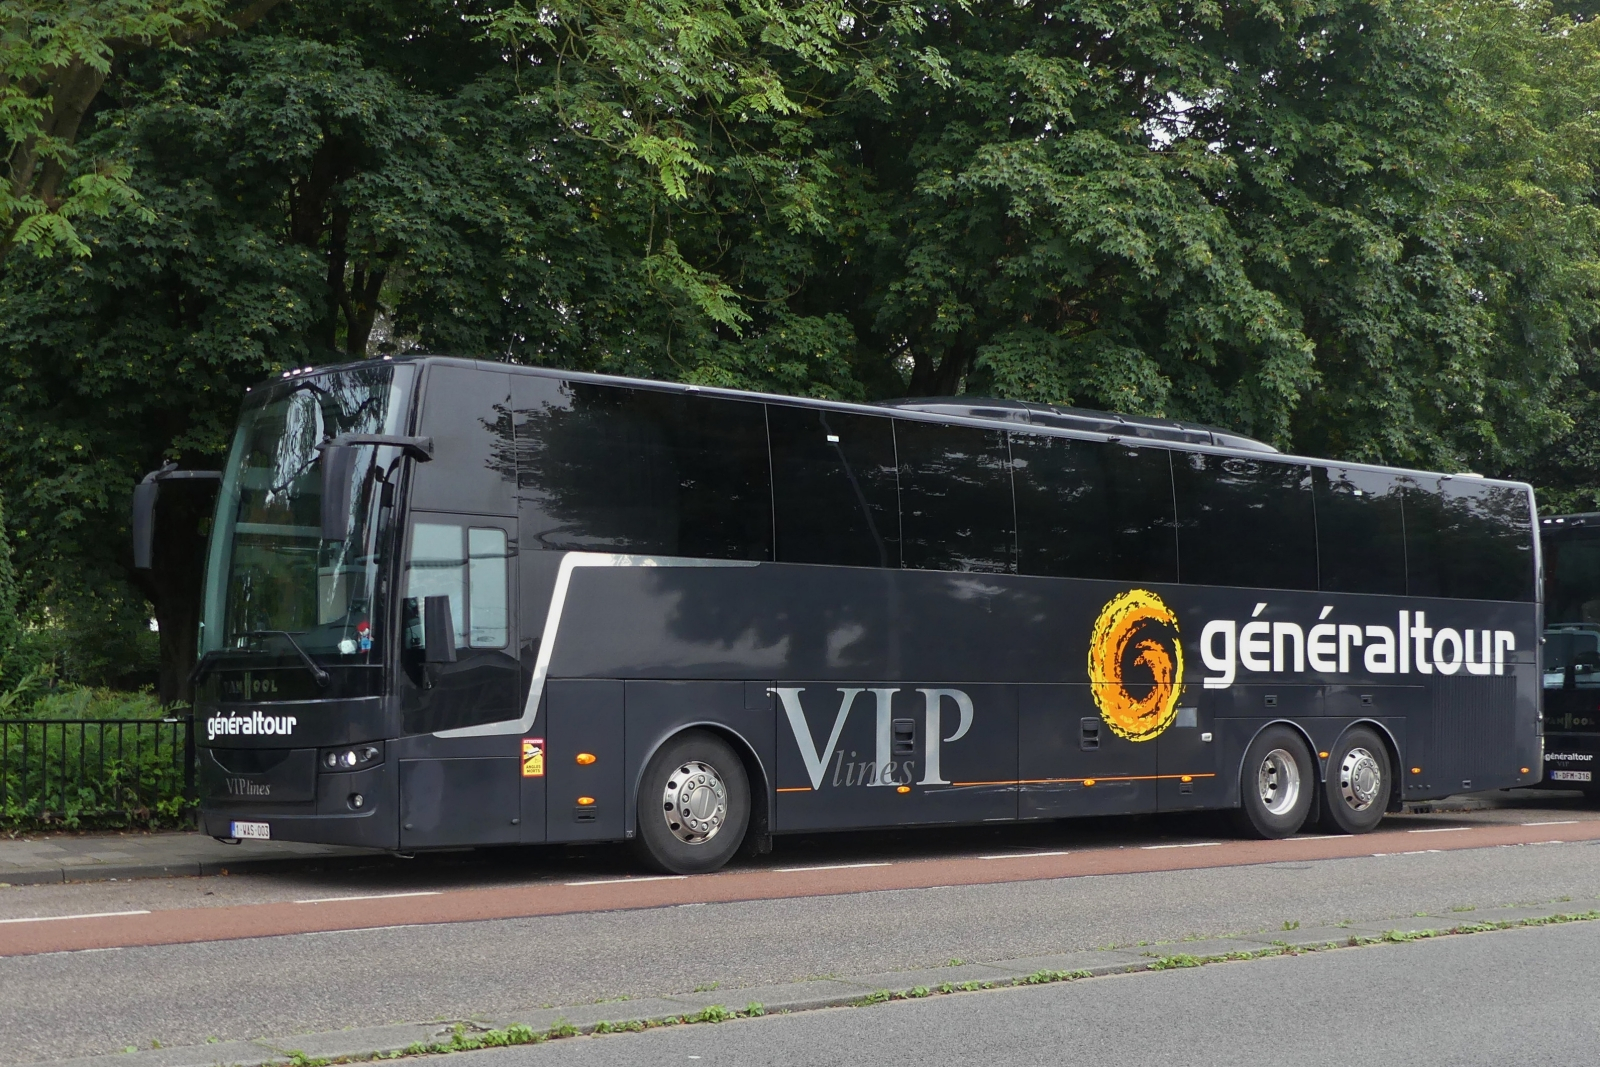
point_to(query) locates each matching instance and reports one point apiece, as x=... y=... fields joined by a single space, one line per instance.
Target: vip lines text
x=884 y=770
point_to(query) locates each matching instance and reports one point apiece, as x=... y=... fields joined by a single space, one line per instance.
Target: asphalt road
x=1417 y=1004
x=83 y=1003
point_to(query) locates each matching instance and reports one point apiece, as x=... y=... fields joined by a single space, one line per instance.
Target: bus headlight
x=350 y=759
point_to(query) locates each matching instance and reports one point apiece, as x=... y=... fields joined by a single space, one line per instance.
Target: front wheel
x=1276 y=785
x=1358 y=783
x=694 y=805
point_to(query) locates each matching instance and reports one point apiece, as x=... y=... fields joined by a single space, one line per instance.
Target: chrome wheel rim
x=695 y=802
x=1278 y=781
x=1360 y=779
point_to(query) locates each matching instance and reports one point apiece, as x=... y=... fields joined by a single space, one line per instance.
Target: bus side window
x=438 y=567
x=1087 y=509
x=467 y=412
x=472 y=575
x=1244 y=522
x=834 y=487
x=488 y=621
x=1467 y=539
x=955 y=498
x=1360 y=531
x=606 y=469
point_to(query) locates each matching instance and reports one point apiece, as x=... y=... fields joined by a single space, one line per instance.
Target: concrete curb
x=107 y=872
x=368 y=1043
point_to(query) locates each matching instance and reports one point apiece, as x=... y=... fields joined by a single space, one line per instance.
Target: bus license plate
x=1571 y=776
x=260 y=831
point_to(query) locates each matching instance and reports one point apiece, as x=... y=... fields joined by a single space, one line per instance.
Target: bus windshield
x=270 y=572
x=1572 y=609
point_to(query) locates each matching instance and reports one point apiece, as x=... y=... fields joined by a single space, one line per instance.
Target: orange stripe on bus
x=1113 y=778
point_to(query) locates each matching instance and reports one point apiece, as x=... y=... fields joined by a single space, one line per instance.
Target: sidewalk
x=45 y=858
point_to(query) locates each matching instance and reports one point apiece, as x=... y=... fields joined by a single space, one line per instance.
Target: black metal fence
x=72 y=772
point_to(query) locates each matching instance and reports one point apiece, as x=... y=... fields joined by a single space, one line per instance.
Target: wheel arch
x=1385 y=735
x=754 y=769
x=1238 y=777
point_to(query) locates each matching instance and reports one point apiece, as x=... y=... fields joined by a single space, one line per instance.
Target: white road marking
x=1021 y=855
x=1314 y=837
x=829 y=867
x=85 y=915
x=1554 y=822
x=1441 y=829
x=371 y=896
x=1192 y=844
x=641 y=878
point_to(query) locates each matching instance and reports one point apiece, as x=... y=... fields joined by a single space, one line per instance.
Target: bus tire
x=1359 y=779
x=1277 y=784
x=694 y=805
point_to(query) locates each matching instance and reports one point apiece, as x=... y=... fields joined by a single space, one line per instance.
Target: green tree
x=1356 y=229
x=54 y=58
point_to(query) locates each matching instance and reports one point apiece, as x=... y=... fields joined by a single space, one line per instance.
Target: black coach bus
x=455 y=603
x=1571 y=650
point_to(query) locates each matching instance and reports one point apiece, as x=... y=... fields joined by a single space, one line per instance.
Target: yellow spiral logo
x=1135 y=650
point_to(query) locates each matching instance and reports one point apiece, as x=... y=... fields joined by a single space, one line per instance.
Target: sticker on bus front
x=254 y=831
x=533 y=757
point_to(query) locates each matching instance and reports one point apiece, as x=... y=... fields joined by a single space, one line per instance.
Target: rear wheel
x=1358 y=783
x=694 y=805
x=1276 y=785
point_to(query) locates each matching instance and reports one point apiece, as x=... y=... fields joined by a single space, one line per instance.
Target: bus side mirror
x=438 y=631
x=338 y=468
x=144 y=523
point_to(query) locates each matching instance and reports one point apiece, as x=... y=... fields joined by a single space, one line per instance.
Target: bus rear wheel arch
x=1277 y=784
x=1359 y=780
x=694 y=804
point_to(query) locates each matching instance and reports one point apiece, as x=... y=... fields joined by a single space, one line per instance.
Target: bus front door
x=460 y=770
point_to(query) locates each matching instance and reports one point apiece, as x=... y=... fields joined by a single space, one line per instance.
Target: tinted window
x=467 y=412
x=1244 y=522
x=833 y=487
x=1091 y=510
x=634 y=470
x=1469 y=540
x=1360 y=531
x=955 y=497
x=1571 y=580
x=467 y=564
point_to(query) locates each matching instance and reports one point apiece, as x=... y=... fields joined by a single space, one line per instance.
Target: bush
x=56 y=774
x=81 y=702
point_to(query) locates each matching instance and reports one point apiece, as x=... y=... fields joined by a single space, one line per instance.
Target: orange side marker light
x=903 y=789
x=1324 y=755
x=1416 y=770
x=585 y=758
x=1088 y=781
x=585 y=801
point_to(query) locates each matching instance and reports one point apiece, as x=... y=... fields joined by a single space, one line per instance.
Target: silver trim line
x=552 y=622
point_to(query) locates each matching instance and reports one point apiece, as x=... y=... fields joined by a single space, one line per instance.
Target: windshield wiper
x=311 y=665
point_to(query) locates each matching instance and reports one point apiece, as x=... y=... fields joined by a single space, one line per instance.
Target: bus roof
x=964 y=410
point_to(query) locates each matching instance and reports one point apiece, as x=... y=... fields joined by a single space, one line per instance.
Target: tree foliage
x=1360 y=228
